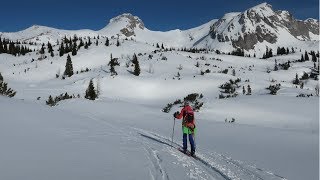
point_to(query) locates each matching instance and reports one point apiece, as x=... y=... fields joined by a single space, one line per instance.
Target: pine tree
x=5 y=91
x=249 y=90
x=42 y=49
x=90 y=92
x=157 y=46
x=136 y=65
x=61 y=50
x=302 y=58
x=306 y=56
x=74 y=49
x=301 y=85
x=50 y=101
x=233 y=72
x=275 y=65
x=1 y=46
x=89 y=41
x=296 y=81
x=314 y=57
x=112 y=63
x=243 y=90
x=107 y=42
x=80 y=44
x=118 y=43
x=270 y=53
x=69 y=68
x=50 y=49
x=1 y=77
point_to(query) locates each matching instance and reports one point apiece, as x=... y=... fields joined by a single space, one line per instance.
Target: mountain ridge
x=257 y=27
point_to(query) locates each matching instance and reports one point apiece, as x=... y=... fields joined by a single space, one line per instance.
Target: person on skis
x=188 y=126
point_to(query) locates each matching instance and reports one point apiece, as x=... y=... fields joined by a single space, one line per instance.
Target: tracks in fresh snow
x=165 y=160
x=164 y=141
x=225 y=167
x=158 y=172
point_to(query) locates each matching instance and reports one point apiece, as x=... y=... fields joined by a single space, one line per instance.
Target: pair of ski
x=187 y=152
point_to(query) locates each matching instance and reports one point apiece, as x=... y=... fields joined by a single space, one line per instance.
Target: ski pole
x=174 y=123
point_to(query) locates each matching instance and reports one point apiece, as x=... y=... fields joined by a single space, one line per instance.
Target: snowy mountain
x=260 y=26
x=125 y=24
x=43 y=34
x=259 y=118
x=252 y=30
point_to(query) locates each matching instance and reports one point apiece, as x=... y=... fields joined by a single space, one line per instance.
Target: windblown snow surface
x=125 y=135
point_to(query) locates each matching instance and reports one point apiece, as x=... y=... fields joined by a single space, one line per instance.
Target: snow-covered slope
x=43 y=34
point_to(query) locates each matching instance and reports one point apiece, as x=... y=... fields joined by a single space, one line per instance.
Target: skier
x=188 y=126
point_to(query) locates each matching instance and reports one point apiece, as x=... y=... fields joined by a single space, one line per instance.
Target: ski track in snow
x=219 y=164
x=209 y=165
x=159 y=171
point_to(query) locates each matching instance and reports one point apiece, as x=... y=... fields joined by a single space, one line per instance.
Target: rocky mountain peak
x=261 y=24
x=129 y=23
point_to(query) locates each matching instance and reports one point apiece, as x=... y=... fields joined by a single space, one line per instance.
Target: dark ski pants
x=185 y=146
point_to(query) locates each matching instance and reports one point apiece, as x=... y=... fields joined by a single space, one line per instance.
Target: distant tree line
x=52 y=101
x=71 y=45
x=13 y=48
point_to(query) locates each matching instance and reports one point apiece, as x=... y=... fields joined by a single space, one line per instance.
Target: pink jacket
x=182 y=114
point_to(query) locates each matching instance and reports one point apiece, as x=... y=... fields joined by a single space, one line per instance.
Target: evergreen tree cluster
x=249 y=91
x=284 y=66
x=229 y=89
x=54 y=101
x=91 y=93
x=305 y=76
x=13 y=48
x=305 y=57
x=238 y=52
x=193 y=99
x=267 y=54
x=274 y=89
x=314 y=56
x=283 y=50
x=304 y=95
x=83 y=70
x=5 y=90
x=192 y=50
x=71 y=45
x=50 y=49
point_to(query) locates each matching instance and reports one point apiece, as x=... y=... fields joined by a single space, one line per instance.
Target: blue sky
x=157 y=15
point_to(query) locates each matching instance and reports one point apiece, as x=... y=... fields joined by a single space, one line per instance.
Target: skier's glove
x=175 y=114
